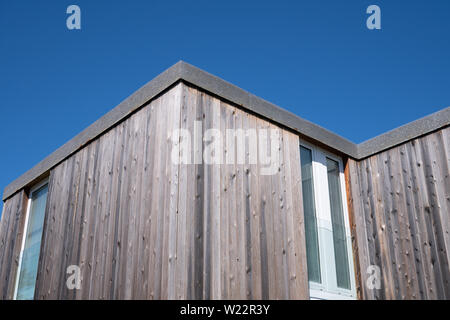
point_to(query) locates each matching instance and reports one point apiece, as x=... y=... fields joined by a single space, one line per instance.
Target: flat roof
x=185 y=72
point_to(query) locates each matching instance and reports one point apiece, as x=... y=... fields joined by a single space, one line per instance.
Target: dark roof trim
x=188 y=73
x=125 y=108
x=266 y=109
x=404 y=133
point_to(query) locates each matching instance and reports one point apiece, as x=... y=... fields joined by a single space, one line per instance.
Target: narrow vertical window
x=338 y=225
x=29 y=256
x=328 y=244
x=312 y=241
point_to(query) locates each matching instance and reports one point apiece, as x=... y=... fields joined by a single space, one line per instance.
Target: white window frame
x=328 y=288
x=24 y=234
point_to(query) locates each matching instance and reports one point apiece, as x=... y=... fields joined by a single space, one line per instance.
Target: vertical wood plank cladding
x=11 y=234
x=257 y=269
x=157 y=207
x=208 y=114
x=401 y=203
x=348 y=171
x=224 y=210
x=215 y=214
x=298 y=272
x=186 y=199
x=362 y=231
x=141 y=226
x=149 y=236
x=100 y=206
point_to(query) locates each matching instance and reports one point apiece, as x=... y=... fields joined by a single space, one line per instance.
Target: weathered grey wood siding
x=11 y=231
x=400 y=199
x=140 y=227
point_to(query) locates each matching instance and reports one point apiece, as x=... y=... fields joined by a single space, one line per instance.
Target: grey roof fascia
x=125 y=108
x=183 y=71
x=266 y=109
x=404 y=133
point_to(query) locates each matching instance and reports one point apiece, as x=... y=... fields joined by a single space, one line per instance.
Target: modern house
x=193 y=188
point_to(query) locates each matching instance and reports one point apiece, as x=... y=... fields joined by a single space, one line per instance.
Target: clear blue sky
x=314 y=58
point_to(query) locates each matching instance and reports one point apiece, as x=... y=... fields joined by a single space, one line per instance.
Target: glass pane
x=338 y=225
x=312 y=242
x=30 y=257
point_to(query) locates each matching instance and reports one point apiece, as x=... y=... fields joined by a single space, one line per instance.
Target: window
x=309 y=210
x=327 y=230
x=31 y=243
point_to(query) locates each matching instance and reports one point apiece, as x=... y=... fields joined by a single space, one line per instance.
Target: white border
x=24 y=235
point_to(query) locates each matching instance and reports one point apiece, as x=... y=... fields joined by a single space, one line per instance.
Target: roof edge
x=248 y=101
x=121 y=111
x=219 y=87
x=404 y=133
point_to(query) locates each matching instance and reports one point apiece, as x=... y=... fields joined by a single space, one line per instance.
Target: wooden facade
x=11 y=231
x=401 y=205
x=140 y=226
